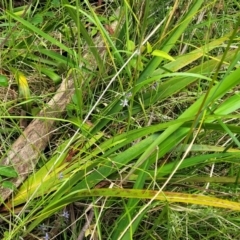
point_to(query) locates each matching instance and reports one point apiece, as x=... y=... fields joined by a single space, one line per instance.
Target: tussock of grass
x=148 y=147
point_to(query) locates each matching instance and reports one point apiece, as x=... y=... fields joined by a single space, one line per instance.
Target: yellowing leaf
x=163 y=196
x=90 y=230
x=22 y=80
x=23 y=89
x=162 y=54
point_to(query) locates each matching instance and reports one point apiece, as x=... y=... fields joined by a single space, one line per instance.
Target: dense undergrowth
x=148 y=148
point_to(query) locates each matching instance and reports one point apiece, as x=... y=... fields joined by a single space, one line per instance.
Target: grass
x=148 y=147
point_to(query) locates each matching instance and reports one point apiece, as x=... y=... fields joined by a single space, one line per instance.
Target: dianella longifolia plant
x=150 y=141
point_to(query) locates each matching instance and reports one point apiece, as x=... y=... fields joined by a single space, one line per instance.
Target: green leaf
x=149 y=47
x=52 y=75
x=8 y=184
x=162 y=54
x=37 y=19
x=7 y=171
x=3 y=81
x=130 y=46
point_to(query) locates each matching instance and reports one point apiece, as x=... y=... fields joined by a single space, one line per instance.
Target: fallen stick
x=26 y=150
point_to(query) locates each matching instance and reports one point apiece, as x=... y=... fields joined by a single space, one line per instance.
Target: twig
x=89 y=219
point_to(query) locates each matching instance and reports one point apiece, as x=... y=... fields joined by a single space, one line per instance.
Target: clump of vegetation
x=119 y=120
